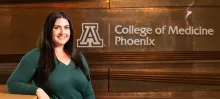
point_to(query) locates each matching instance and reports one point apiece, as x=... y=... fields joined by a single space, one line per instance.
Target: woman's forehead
x=61 y=21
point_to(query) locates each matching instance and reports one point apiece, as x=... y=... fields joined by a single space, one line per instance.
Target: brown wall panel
x=161 y=3
x=136 y=57
x=162 y=76
x=160 y=95
x=195 y=76
x=100 y=79
x=120 y=57
x=5 y=71
x=56 y=3
x=185 y=65
x=100 y=85
x=176 y=67
x=62 y=4
x=165 y=77
x=142 y=86
x=5 y=22
x=26 y=25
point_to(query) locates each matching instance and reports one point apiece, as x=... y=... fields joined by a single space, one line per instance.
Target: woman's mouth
x=61 y=37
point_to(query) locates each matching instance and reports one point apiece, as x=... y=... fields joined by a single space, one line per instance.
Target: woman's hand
x=41 y=94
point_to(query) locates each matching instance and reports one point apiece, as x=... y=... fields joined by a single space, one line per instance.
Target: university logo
x=90 y=37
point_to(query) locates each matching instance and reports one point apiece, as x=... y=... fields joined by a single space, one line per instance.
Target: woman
x=57 y=70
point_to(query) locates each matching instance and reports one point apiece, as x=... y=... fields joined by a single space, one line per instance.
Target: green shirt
x=65 y=81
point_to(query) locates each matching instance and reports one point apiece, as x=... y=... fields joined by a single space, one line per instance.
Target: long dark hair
x=47 y=55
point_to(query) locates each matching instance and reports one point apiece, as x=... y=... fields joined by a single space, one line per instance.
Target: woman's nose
x=62 y=31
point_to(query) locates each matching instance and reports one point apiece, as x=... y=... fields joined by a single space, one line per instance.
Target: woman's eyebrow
x=61 y=25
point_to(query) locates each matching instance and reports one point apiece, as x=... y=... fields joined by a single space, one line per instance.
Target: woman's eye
x=56 y=27
x=67 y=27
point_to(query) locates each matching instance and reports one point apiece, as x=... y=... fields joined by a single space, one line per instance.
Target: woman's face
x=61 y=32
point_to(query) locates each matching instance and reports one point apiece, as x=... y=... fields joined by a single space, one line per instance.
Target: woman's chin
x=60 y=43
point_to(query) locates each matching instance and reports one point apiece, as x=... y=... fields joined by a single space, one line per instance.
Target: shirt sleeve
x=88 y=92
x=85 y=63
x=19 y=79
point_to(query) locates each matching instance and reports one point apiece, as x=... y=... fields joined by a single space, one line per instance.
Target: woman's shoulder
x=33 y=53
x=84 y=60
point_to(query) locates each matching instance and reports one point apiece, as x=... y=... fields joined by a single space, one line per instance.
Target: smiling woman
x=56 y=69
x=61 y=32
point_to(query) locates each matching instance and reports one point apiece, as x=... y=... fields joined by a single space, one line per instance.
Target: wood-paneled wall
x=177 y=67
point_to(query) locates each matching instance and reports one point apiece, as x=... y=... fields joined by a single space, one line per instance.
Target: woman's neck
x=58 y=49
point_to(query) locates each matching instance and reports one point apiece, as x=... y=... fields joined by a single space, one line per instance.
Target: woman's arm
x=18 y=81
x=88 y=92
